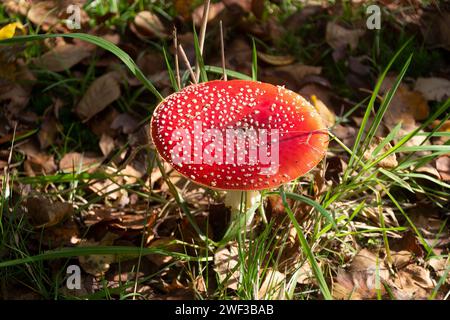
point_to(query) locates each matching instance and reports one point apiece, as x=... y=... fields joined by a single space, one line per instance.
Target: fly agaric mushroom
x=239 y=136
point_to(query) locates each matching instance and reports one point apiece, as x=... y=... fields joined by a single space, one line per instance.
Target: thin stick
x=188 y=65
x=202 y=36
x=177 y=66
x=222 y=48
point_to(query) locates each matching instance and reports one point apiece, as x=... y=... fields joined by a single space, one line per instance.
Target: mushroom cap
x=238 y=134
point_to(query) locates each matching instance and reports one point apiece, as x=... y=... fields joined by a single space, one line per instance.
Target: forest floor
x=81 y=185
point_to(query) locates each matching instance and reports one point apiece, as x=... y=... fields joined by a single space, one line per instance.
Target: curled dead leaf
x=339 y=37
x=100 y=94
x=436 y=89
x=388 y=162
x=44 y=14
x=74 y=161
x=17 y=6
x=276 y=60
x=18 y=97
x=106 y=144
x=406 y=105
x=327 y=115
x=360 y=281
x=401 y=259
x=148 y=25
x=44 y=213
x=168 y=244
x=443 y=166
x=37 y=162
x=49 y=130
x=289 y=75
x=62 y=57
x=273 y=286
x=214 y=10
x=413 y=282
x=98 y=264
x=226 y=261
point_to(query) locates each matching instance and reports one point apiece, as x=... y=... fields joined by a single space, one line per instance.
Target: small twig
x=202 y=36
x=188 y=65
x=177 y=65
x=222 y=48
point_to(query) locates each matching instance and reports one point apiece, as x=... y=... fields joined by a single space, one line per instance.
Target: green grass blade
x=230 y=73
x=384 y=106
x=254 y=62
x=406 y=138
x=401 y=182
x=357 y=145
x=199 y=56
x=312 y=203
x=305 y=246
x=173 y=81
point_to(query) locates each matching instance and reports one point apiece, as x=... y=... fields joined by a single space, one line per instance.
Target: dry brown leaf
x=147 y=25
x=74 y=161
x=102 y=125
x=338 y=37
x=435 y=89
x=183 y=7
x=413 y=282
x=273 y=286
x=37 y=162
x=98 y=264
x=432 y=227
x=347 y=134
x=130 y=174
x=106 y=144
x=440 y=264
x=406 y=105
x=51 y=13
x=435 y=27
x=108 y=188
x=44 y=13
x=62 y=235
x=168 y=244
x=62 y=57
x=276 y=60
x=429 y=169
x=151 y=63
x=244 y=5
x=305 y=274
x=443 y=166
x=100 y=94
x=366 y=261
x=44 y=213
x=327 y=115
x=226 y=261
x=214 y=10
x=17 y=6
x=125 y=122
x=360 y=281
x=356 y=286
x=47 y=133
x=444 y=127
x=18 y=97
x=290 y=75
x=388 y=162
x=401 y=259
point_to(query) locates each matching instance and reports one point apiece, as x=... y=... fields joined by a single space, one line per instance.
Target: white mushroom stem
x=240 y=202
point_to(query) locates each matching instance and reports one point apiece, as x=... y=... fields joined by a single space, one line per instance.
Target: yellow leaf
x=327 y=115
x=9 y=30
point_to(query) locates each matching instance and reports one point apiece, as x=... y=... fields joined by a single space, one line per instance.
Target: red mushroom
x=239 y=135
